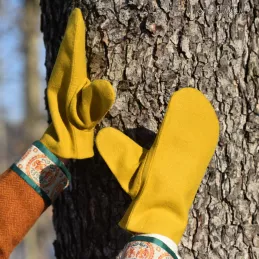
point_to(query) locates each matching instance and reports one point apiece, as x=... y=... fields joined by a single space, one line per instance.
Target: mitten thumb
x=123 y=156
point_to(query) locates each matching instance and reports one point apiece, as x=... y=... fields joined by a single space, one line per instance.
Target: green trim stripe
x=155 y=241
x=53 y=158
x=31 y=183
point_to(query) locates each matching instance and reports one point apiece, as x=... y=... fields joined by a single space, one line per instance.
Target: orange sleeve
x=20 y=207
x=26 y=190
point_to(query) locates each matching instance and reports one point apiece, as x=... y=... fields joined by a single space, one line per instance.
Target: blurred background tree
x=22 y=115
x=30 y=46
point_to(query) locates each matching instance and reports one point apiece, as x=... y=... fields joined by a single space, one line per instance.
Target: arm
x=26 y=190
x=76 y=105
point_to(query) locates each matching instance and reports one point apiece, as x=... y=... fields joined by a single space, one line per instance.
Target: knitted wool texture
x=76 y=105
x=163 y=181
x=20 y=207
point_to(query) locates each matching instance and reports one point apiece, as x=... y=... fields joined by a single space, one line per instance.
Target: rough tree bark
x=148 y=50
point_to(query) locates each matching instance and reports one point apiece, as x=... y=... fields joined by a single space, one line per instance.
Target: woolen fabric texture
x=20 y=207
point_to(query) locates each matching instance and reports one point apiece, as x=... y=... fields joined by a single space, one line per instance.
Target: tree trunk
x=148 y=50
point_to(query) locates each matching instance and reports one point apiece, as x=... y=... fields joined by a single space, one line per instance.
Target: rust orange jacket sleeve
x=26 y=190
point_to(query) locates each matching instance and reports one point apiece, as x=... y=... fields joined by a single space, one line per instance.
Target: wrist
x=43 y=171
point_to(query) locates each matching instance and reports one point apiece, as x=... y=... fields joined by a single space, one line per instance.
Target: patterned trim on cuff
x=43 y=171
x=148 y=240
x=53 y=158
x=169 y=242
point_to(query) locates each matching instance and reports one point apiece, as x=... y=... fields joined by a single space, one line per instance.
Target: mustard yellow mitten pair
x=163 y=181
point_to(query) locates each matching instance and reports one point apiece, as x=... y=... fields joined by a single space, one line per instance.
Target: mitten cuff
x=151 y=246
x=43 y=171
x=168 y=247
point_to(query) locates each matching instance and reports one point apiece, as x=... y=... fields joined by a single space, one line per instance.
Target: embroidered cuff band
x=43 y=171
x=168 y=253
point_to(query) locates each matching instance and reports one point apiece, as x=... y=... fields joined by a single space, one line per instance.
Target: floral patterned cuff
x=150 y=247
x=43 y=171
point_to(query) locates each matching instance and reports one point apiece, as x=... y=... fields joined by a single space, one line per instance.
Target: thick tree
x=148 y=50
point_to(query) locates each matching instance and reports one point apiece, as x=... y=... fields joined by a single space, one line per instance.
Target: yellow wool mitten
x=76 y=104
x=163 y=181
